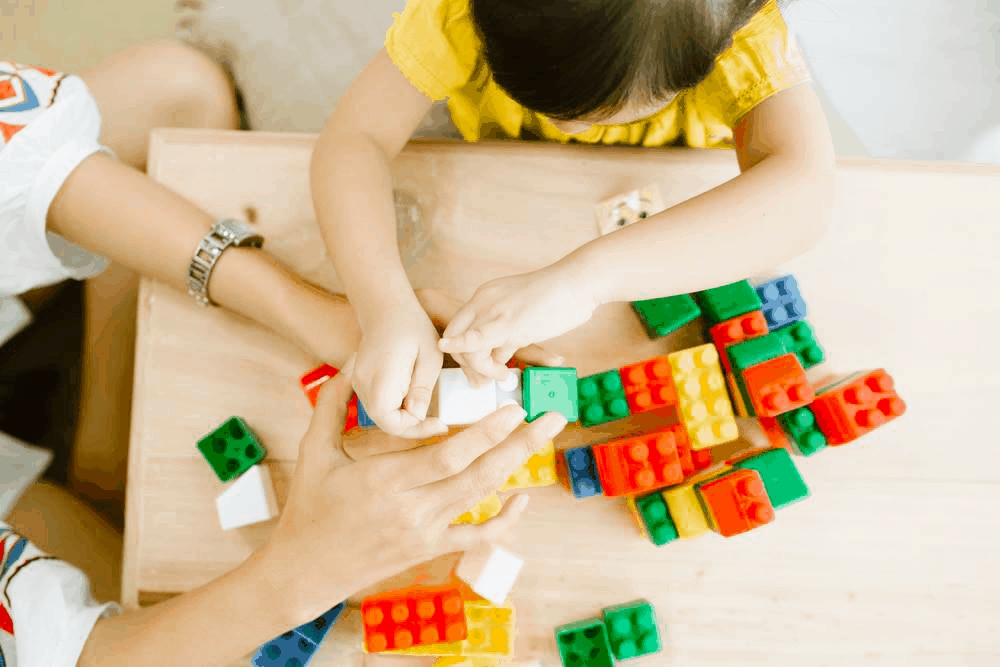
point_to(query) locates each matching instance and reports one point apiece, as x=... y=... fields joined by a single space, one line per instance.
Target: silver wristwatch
x=224 y=233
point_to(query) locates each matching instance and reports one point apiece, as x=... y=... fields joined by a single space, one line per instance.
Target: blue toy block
x=364 y=421
x=289 y=650
x=317 y=629
x=579 y=471
x=781 y=302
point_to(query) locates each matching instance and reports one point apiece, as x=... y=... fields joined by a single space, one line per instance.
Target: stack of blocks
x=626 y=631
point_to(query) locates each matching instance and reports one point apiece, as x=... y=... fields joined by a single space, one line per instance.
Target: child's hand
x=509 y=313
x=349 y=524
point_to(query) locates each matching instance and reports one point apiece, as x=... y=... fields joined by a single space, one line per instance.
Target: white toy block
x=14 y=317
x=461 y=404
x=490 y=571
x=629 y=207
x=509 y=391
x=248 y=500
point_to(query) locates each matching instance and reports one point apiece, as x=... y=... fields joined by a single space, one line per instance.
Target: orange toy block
x=314 y=380
x=775 y=434
x=642 y=463
x=415 y=616
x=855 y=405
x=649 y=385
x=777 y=386
x=736 y=502
x=737 y=330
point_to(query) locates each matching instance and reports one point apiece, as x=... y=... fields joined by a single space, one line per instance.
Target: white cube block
x=248 y=500
x=509 y=391
x=490 y=571
x=458 y=402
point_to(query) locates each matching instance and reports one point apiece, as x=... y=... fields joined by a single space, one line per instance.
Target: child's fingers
x=426 y=370
x=535 y=355
x=481 y=336
x=328 y=418
x=483 y=364
x=465 y=537
x=461 y=321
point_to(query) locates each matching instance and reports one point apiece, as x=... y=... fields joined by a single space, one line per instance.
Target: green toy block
x=601 y=398
x=744 y=394
x=801 y=339
x=656 y=517
x=584 y=644
x=664 y=315
x=550 y=390
x=801 y=427
x=724 y=303
x=754 y=351
x=632 y=630
x=231 y=449
x=781 y=478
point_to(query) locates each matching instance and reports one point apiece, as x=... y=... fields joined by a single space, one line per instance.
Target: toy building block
x=632 y=630
x=737 y=394
x=313 y=380
x=781 y=302
x=550 y=390
x=364 y=421
x=775 y=386
x=490 y=571
x=654 y=519
x=686 y=511
x=601 y=398
x=782 y=481
x=584 y=644
x=701 y=459
x=800 y=339
x=351 y=416
x=639 y=464
x=800 y=426
x=415 y=616
x=509 y=391
x=705 y=407
x=626 y=208
x=458 y=403
x=649 y=385
x=577 y=470
x=231 y=449
x=667 y=314
x=538 y=470
x=855 y=405
x=490 y=634
x=290 y=648
x=775 y=434
x=248 y=500
x=736 y=330
x=736 y=502
x=754 y=351
x=726 y=302
x=317 y=629
x=484 y=510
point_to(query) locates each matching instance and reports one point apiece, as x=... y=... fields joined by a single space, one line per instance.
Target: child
x=631 y=72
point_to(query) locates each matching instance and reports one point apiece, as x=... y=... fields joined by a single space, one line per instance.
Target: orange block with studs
x=649 y=385
x=775 y=434
x=736 y=502
x=639 y=464
x=777 y=386
x=415 y=616
x=737 y=330
x=855 y=405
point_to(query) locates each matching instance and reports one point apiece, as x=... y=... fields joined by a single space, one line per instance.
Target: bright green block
x=754 y=351
x=656 y=517
x=723 y=303
x=800 y=425
x=800 y=339
x=550 y=390
x=601 y=398
x=231 y=449
x=584 y=644
x=664 y=315
x=632 y=630
x=781 y=478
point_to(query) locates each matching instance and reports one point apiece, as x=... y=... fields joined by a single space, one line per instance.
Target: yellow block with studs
x=490 y=636
x=485 y=509
x=686 y=511
x=538 y=470
x=704 y=403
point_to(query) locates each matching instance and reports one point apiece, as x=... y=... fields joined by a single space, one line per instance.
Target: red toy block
x=775 y=434
x=351 y=418
x=649 y=385
x=642 y=463
x=736 y=502
x=777 y=386
x=855 y=405
x=314 y=380
x=702 y=459
x=415 y=616
x=737 y=330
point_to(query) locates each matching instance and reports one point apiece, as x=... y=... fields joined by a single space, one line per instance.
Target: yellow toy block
x=634 y=509
x=485 y=509
x=686 y=511
x=538 y=470
x=459 y=661
x=491 y=635
x=705 y=407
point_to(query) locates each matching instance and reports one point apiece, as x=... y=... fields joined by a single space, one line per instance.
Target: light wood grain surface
x=893 y=561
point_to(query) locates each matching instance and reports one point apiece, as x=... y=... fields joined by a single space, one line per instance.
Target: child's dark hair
x=572 y=58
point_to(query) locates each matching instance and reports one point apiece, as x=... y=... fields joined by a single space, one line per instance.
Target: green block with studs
x=632 y=630
x=755 y=351
x=667 y=314
x=801 y=427
x=656 y=519
x=550 y=390
x=601 y=398
x=584 y=644
x=724 y=303
x=231 y=449
x=781 y=477
x=800 y=339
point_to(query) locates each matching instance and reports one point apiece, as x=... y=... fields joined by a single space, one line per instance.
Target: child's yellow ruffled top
x=434 y=43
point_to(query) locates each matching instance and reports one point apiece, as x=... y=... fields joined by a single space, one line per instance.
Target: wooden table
x=893 y=561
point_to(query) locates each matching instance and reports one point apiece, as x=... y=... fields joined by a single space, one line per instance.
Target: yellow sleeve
x=763 y=60
x=434 y=44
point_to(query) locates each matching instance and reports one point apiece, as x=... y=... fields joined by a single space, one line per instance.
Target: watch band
x=224 y=233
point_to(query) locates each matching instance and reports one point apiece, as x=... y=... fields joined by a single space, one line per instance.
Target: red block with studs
x=313 y=381
x=649 y=385
x=737 y=330
x=855 y=405
x=415 y=616
x=775 y=434
x=777 y=386
x=638 y=464
x=736 y=502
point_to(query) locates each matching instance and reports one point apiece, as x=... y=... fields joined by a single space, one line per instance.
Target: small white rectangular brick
x=248 y=500
x=459 y=403
x=490 y=571
x=509 y=391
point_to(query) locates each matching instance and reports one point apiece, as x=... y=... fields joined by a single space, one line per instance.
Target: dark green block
x=781 y=478
x=744 y=394
x=723 y=303
x=550 y=390
x=632 y=630
x=754 y=351
x=801 y=427
x=664 y=315
x=231 y=449
x=584 y=644
x=601 y=398
x=800 y=338
x=656 y=517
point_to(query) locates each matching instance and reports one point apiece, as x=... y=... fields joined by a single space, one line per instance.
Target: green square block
x=584 y=644
x=664 y=315
x=632 y=630
x=724 y=303
x=801 y=427
x=781 y=478
x=744 y=394
x=601 y=398
x=656 y=517
x=550 y=390
x=801 y=339
x=754 y=351
x=231 y=449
